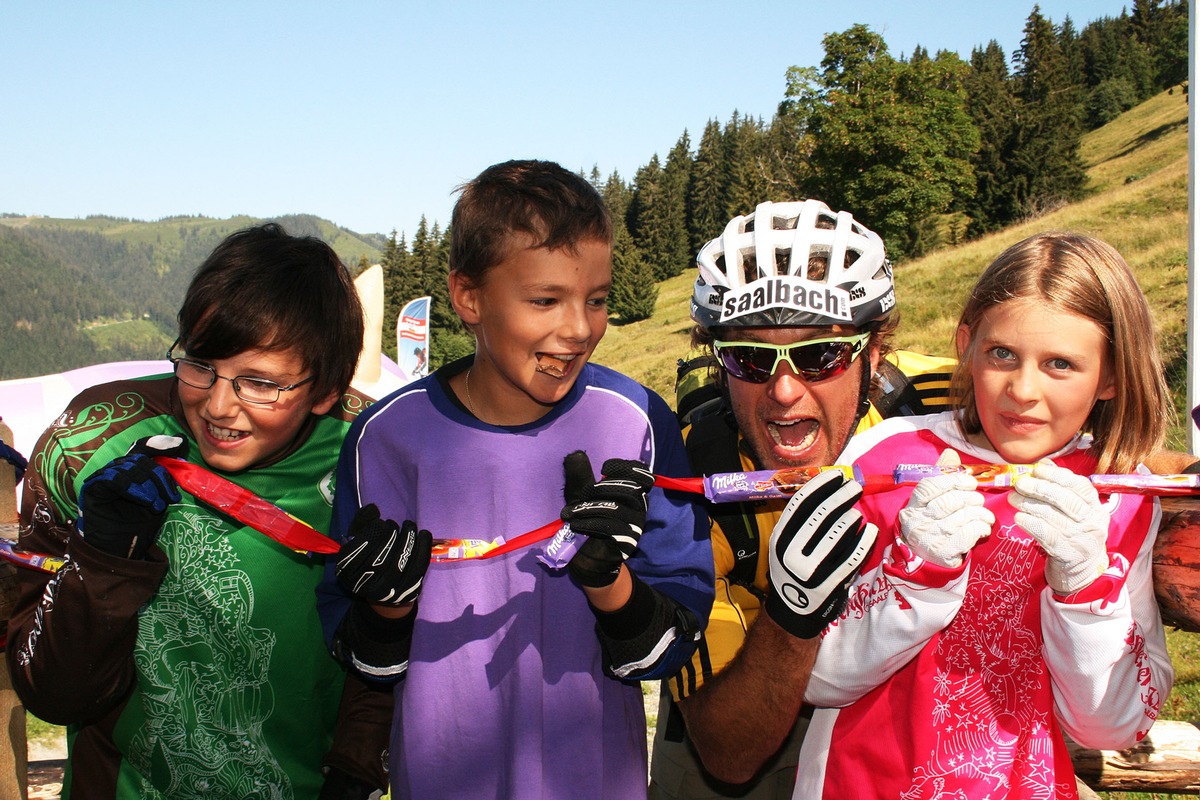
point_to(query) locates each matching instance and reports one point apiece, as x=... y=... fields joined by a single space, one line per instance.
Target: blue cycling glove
x=122 y=505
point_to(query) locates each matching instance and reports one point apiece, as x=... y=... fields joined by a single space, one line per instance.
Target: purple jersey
x=505 y=694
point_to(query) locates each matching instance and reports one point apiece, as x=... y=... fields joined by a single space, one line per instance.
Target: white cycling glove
x=944 y=519
x=1062 y=511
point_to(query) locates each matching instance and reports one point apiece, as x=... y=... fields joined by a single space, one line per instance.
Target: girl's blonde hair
x=1082 y=275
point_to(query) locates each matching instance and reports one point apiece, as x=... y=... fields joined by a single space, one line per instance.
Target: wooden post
x=1167 y=760
x=14 y=756
x=1177 y=563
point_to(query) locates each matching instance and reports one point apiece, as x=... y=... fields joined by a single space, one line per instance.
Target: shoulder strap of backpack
x=920 y=384
x=712 y=446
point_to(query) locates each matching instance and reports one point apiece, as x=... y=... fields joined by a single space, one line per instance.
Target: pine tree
x=435 y=272
x=705 y=192
x=397 y=288
x=617 y=196
x=1118 y=71
x=634 y=292
x=655 y=219
x=672 y=211
x=1046 y=165
x=752 y=167
x=422 y=259
x=737 y=195
x=1069 y=42
x=1163 y=29
x=644 y=195
x=993 y=108
x=449 y=338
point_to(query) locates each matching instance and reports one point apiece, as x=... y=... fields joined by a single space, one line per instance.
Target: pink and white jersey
x=958 y=683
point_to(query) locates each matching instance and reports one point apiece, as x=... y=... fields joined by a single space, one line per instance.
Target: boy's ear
x=324 y=404
x=464 y=297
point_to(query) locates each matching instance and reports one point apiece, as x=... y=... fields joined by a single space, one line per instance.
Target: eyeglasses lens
x=256 y=391
x=193 y=374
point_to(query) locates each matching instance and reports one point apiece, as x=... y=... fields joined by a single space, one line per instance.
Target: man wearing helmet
x=795 y=302
x=811 y=278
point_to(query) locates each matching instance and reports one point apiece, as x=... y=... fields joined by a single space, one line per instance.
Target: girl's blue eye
x=1060 y=363
x=1002 y=353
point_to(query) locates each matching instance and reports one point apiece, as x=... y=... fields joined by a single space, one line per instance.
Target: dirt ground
x=46 y=760
x=48 y=756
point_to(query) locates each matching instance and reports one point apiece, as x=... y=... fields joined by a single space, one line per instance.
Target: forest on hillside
x=61 y=281
x=928 y=149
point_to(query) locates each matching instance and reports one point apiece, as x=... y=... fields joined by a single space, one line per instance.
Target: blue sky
x=370 y=113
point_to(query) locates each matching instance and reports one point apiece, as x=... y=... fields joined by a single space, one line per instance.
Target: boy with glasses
x=182 y=648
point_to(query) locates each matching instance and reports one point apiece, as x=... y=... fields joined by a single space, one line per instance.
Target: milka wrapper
x=770 y=484
x=984 y=474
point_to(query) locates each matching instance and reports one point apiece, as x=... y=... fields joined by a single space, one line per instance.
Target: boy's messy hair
x=262 y=288
x=539 y=199
x=1082 y=275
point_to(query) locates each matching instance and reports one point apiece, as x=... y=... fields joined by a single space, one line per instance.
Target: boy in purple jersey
x=512 y=678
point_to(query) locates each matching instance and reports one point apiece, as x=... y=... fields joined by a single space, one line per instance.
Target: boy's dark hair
x=264 y=288
x=555 y=207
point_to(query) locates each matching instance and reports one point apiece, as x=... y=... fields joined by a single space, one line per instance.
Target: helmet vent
x=787 y=223
x=749 y=266
x=818 y=266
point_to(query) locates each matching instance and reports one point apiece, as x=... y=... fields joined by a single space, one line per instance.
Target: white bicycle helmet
x=758 y=273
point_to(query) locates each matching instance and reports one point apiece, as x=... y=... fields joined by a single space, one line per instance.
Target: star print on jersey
x=204 y=675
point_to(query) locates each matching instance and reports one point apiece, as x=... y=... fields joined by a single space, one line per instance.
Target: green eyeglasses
x=815 y=360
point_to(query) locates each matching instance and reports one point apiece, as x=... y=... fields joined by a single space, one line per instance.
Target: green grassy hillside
x=1137 y=202
x=64 y=282
x=169 y=235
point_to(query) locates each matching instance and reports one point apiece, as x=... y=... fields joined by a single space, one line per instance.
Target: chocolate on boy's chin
x=553 y=370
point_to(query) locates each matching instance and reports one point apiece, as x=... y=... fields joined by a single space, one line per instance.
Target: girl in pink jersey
x=988 y=623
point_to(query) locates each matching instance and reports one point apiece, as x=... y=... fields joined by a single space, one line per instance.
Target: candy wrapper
x=1159 y=485
x=558 y=551
x=450 y=550
x=37 y=561
x=729 y=487
x=460 y=549
x=987 y=475
x=998 y=476
x=247 y=507
x=733 y=487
